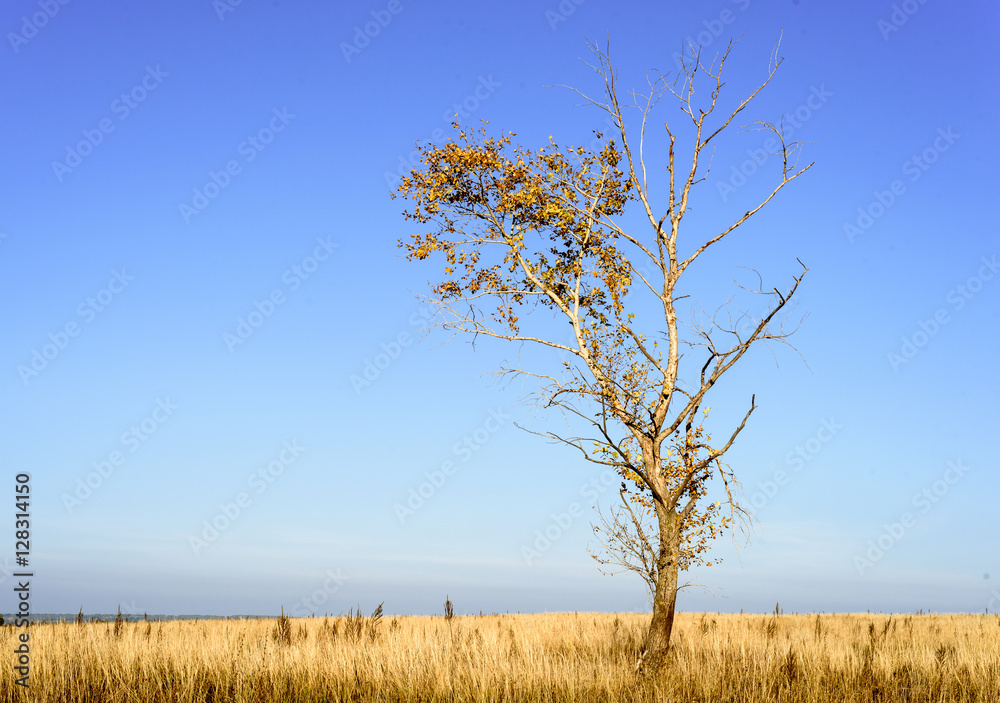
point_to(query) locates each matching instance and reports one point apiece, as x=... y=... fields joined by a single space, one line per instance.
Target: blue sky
x=199 y=253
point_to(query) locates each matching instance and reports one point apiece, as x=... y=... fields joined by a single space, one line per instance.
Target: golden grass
x=553 y=657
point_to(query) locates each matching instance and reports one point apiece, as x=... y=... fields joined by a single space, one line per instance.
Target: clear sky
x=198 y=254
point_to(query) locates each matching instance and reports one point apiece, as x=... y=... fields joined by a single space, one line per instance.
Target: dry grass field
x=553 y=657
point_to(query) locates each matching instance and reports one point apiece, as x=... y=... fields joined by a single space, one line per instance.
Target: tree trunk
x=657 y=643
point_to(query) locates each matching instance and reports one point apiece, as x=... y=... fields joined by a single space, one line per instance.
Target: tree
x=522 y=231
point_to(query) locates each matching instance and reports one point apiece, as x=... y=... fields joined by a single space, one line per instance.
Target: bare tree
x=628 y=540
x=520 y=230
